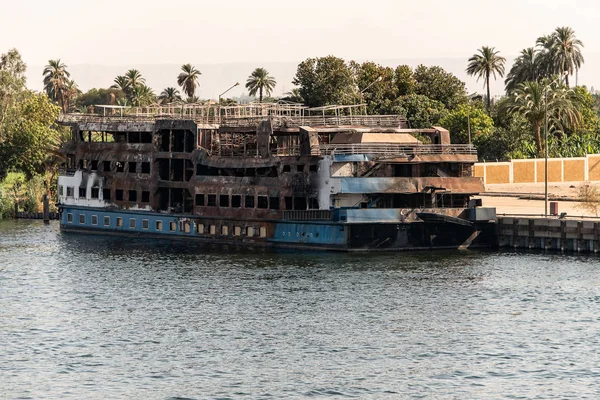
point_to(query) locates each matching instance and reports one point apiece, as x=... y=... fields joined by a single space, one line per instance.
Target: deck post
x=46 y=210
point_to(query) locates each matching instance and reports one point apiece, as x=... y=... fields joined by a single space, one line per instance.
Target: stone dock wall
x=549 y=234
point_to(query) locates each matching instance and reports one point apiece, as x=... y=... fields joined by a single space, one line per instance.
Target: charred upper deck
x=261 y=160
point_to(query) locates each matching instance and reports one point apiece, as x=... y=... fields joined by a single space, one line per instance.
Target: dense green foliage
x=29 y=138
x=421 y=111
x=85 y=102
x=325 y=80
x=133 y=86
x=469 y=120
x=169 y=95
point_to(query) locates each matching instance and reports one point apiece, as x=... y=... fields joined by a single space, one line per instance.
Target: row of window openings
x=265 y=171
x=264 y=202
x=183 y=226
x=95 y=192
x=119 y=166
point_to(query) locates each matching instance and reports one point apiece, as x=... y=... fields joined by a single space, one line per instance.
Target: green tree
x=56 y=80
x=188 y=79
x=404 y=80
x=12 y=94
x=121 y=83
x=376 y=85
x=133 y=85
x=325 y=81
x=70 y=93
x=525 y=68
x=142 y=95
x=465 y=117
x=437 y=84
x=12 y=190
x=293 y=96
x=559 y=104
x=34 y=136
x=134 y=79
x=260 y=81
x=566 y=49
x=86 y=101
x=169 y=95
x=420 y=111
x=192 y=100
x=485 y=65
x=545 y=58
x=588 y=108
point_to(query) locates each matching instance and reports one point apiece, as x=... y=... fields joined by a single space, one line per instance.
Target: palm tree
x=169 y=95
x=134 y=78
x=133 y=84
x=545 y=58
x=122 y=83
x=142 y=95
x=192 y=100
x=55 y=80
x=484 y=64
x=294 y=96
x=258 y=81
x=566 y=52
x=559 y=104
x=70 y=92
x=526 y=68
x=188 y=79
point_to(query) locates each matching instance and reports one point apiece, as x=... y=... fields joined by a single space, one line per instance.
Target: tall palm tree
x=260 y=81
x=545 y=58
x=55 y=80
x=567 y=52
x=142 y=95
x=485 y=64
x=122 y=83
x=559 y=104
x=133 y=85
x=134 y=78
x=526 y=68
x=70 y=92
x=169 y=95
x=188 y=79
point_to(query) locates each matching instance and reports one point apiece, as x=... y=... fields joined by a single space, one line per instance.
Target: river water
x=100 y=317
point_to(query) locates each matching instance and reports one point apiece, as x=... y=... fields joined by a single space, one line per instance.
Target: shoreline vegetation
x=512 y=126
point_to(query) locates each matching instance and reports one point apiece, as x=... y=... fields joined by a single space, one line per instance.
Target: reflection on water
x=106 y=317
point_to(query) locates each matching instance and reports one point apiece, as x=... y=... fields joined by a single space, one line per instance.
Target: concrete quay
x=548 y=234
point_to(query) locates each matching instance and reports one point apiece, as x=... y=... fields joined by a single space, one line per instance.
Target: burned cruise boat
x=278 y=175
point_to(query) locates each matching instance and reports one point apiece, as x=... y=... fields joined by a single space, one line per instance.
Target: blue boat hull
x=323 y=235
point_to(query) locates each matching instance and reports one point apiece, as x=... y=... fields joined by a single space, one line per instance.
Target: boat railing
x=395 y=150
x=381 y=150
x=278 y=121
x=395 y=121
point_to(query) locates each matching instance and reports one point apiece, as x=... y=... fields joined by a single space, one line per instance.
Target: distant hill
x=216 y=78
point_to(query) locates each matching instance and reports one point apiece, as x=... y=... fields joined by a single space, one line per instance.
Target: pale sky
x=128 y=32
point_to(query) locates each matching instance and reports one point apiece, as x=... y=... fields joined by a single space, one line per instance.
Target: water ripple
x=100 y=317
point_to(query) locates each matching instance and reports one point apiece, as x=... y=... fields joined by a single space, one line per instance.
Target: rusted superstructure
x=270 y=174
